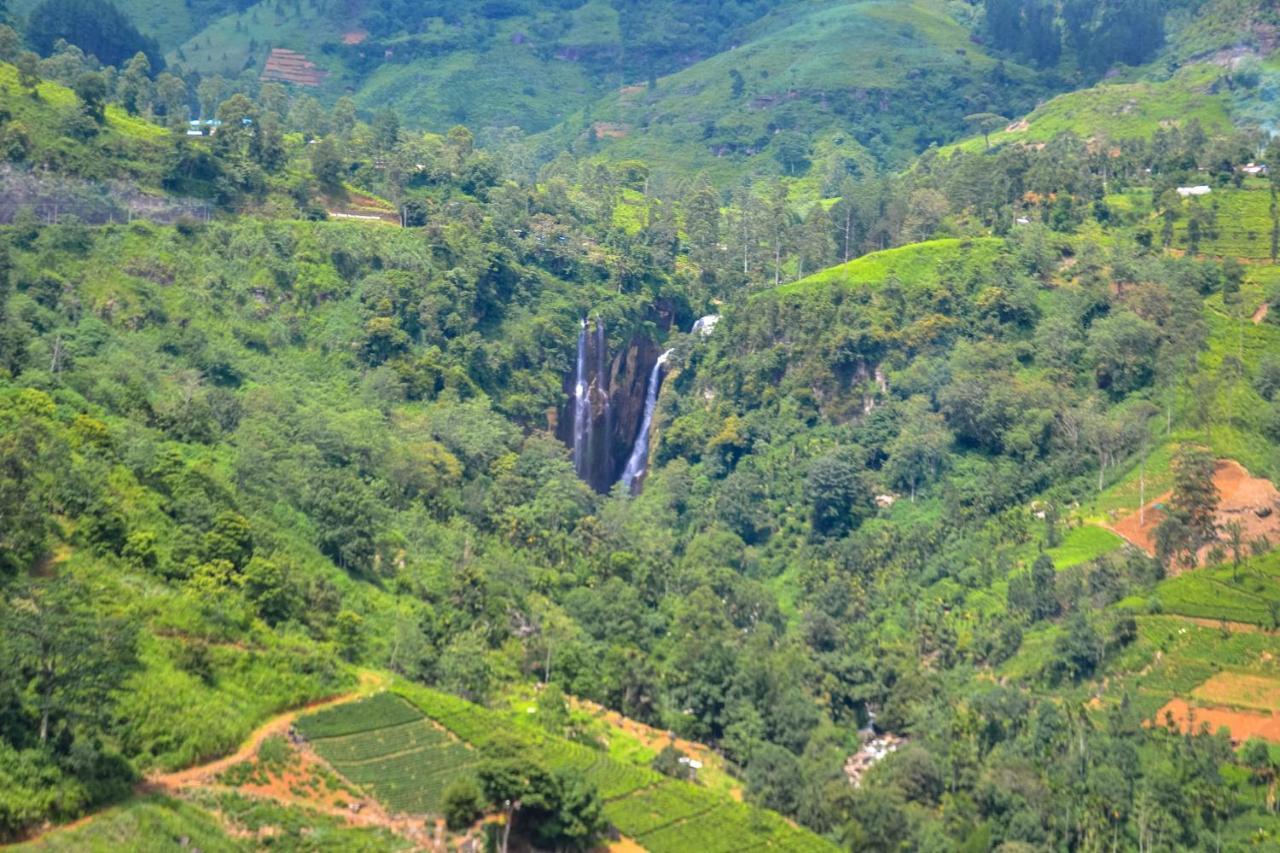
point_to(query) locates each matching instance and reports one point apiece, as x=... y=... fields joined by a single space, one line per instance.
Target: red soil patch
x=1239 y=497
x=302 y=785
x=1261 y=313
x=1242 y=724
x=289 y=66
x=354 y=36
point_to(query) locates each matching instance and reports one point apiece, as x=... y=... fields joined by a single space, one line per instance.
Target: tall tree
x=71 y=654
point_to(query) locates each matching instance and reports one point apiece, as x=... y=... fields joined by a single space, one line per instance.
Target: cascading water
x=705 y=325
x=581 y=405
x=639 y=458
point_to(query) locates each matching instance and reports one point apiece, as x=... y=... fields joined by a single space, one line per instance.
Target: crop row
x=371 y=745
x=658 y=806
x=614 y=779
x=662 y=814
x=423 y=794
x=408 y=765
x=376 y=712
x=731 y=827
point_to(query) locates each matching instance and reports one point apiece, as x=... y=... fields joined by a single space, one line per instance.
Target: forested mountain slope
x=953 y=506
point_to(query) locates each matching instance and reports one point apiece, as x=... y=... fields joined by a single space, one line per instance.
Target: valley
x=635 y=426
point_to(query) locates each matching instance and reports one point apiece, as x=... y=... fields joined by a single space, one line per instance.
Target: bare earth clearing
x=1241 y=496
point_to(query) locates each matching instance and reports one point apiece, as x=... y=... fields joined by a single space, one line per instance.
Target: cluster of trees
x=1096 y=34
x=97 y=27
x=327 y=436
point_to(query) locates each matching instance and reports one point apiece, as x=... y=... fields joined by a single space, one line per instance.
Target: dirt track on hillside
x=172 y=784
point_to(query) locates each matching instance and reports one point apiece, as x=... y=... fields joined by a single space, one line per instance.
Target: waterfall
x=705 y=325
x=639 y=458
x=581 y=405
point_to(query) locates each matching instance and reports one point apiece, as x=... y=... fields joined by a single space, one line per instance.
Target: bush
x=463 y=803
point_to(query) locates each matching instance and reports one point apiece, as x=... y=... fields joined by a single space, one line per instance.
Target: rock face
x=615 y=384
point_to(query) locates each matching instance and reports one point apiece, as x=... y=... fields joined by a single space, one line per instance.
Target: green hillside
x=716 y=445
x=872 y=72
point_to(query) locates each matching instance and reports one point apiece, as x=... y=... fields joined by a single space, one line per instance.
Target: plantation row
x=377 y=712
x=401 y=757
x=380 y=743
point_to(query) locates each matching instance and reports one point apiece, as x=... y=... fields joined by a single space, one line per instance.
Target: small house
x=1188 y=192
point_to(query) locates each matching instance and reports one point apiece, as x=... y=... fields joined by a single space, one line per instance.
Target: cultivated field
x=387 y=746
x=406 y=747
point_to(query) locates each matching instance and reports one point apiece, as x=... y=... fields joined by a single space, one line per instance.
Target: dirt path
x=1233 y=627
x=173 y=783
x=1261 y=313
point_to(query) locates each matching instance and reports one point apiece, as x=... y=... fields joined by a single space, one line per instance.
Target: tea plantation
x=407 y=746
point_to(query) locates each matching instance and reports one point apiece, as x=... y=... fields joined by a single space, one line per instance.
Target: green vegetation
x=148 y=824
x=296 y=394
x=1084 y=544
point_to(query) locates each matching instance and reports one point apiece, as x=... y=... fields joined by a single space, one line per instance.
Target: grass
x=56 y=98
x=1119 y=111
x=1250 y=594
x=1243 y=222
x=911 y=61
x=149 y=824
x=1082 y=544
x=915 y=263
x=384 y=710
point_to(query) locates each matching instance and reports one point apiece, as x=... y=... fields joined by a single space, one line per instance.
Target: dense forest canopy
x=950 y=424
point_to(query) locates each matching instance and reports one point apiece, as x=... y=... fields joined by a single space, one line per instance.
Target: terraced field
x=1242 y=226
x=659 y=813
x=387 y=746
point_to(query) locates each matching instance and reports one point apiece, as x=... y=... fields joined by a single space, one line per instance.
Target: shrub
x=463 y=803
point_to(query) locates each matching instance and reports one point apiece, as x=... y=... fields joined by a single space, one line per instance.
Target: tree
x=1044 y=589
x=1122 y=350
x=559 y=810
x=29 y=72
x=817 y=249
x=349 y=634
x=773 y=778
x=668 y=763
x=462 y=803
x=134 y=87
x=209 y=92
x=91 y=88
x=326 y=165
x=1077 y=652
x=386 y=129
x=343 y=117
x=26 y=483
x=171 y=96
x=986 y=124
x=10 y=43
x=1195 y=498
x=71 y=656
x=266 y=146
x=916 y=453
x=836 y=494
